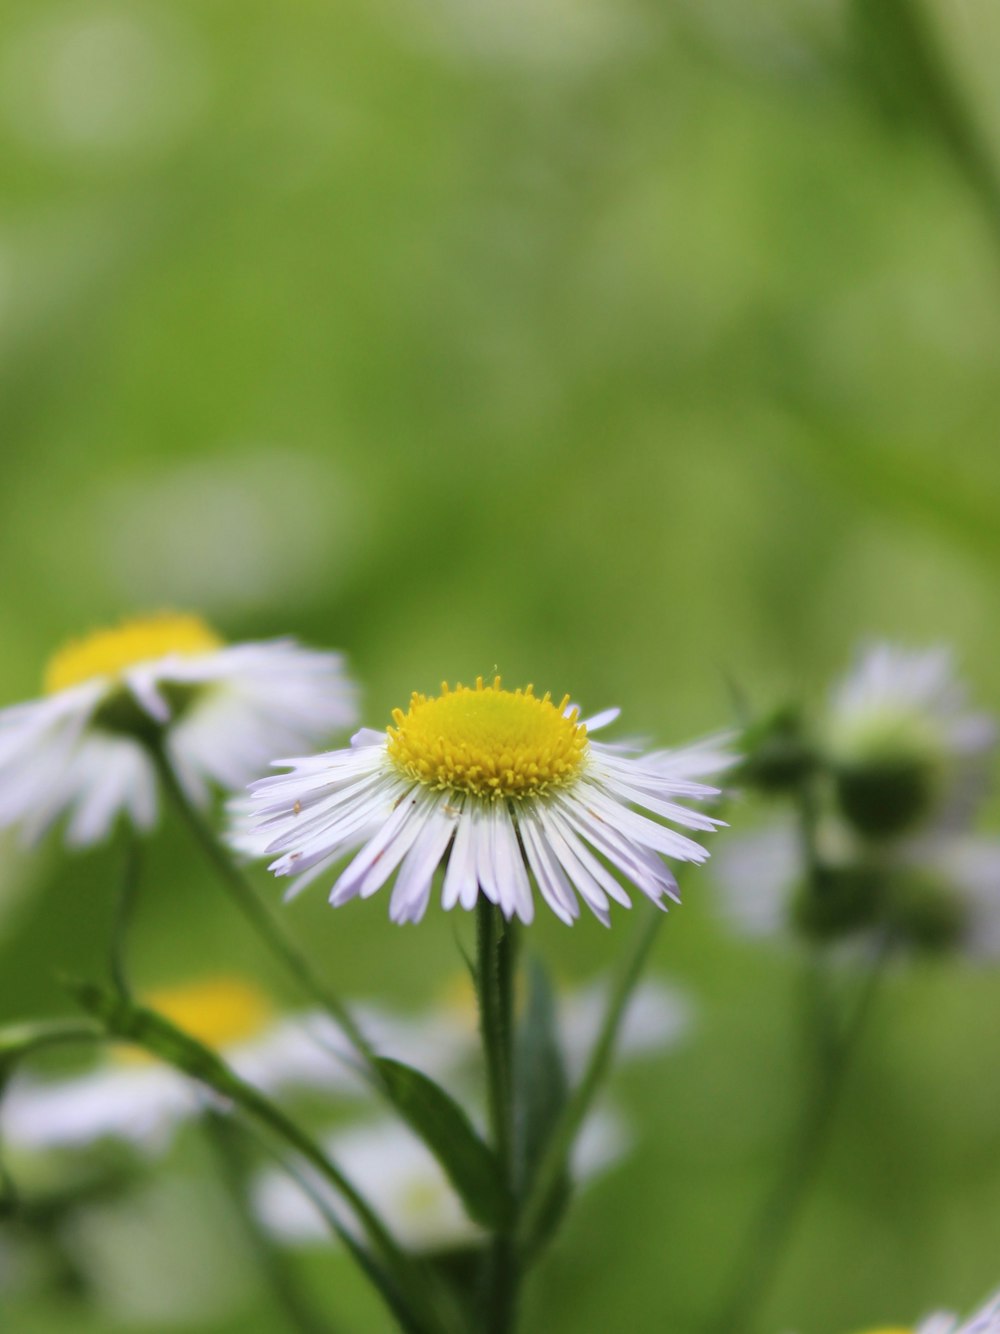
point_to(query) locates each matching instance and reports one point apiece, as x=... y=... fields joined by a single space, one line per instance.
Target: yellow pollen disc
x=488 y=742
x=218 y=1011
x=143 y=639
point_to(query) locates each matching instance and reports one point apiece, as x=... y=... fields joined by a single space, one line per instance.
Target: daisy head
x=905 y=748
x=127 y=1096
x=219 y=711
x=505 y=788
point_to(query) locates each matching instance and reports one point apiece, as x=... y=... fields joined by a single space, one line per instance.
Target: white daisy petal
x=460 y=883
x=412 y=889
x=511 y=876
x=382 y=853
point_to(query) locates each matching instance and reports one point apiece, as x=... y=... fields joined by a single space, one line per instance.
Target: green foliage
x=445 y=1128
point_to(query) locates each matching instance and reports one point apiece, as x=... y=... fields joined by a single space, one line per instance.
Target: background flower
x=224 y=711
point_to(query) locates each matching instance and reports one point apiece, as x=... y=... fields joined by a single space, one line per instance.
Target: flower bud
x=838 y=901
x=889 y=794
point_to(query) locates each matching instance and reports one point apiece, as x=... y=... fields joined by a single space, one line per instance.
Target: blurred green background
x=632 y=347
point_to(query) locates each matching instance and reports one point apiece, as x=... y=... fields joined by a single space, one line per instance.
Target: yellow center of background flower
x=488 y=742
x=218 y=1011
x=142 y=639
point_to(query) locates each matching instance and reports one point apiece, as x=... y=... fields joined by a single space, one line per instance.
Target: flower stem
x=127 y=894
x=495 y=963
x=20 y=1040
x=428 y=1305
x=258 y=916
x=774 y=1224
x=552 y=1167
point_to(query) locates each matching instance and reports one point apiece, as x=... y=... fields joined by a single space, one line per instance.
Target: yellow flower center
x=218 y=1011
x=142 y=639
x=488 y=742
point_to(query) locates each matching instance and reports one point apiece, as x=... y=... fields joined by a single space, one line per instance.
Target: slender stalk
x=495 y=950
x=552 y=1166
x=127 y=895
x=773 y=1226
x=19 y=1040
x=299 y=1311
x=258 y=916
x=431 y=1313
x=909 y=35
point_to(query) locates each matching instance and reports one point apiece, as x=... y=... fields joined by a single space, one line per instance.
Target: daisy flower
x=131 y=1097
x=505 y=786
x=405 y=1183
x=905 y=748
x=221 y=712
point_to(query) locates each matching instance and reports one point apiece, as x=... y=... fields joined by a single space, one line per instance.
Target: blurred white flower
x=405 y=1183
x=142 y=1102
x=507 y=786
x=938 y=892
x=901 y=769
x=224 y=712
x=444 y=1039
x=906 y=750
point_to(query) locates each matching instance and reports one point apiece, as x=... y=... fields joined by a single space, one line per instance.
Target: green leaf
x=470 y=1165
x=541 y=1084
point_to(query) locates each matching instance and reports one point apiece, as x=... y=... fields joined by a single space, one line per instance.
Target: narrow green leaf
x=541 y=1087
x=469 y=1164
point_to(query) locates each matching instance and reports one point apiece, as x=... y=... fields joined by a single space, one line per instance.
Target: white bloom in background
x=444 y=1039
x=507 y=786
x=224 y=711
x=140 y=1101
x=403 y=1180
x=903 y=767
x=938 y=892
x=907 y=751
x=143 y=1102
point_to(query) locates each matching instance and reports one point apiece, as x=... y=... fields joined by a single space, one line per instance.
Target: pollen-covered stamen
x=489 y=742
x=106 y=653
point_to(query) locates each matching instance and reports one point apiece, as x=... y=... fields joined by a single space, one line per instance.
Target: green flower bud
x=777 y=756
x=838 y=901
x=886 y=795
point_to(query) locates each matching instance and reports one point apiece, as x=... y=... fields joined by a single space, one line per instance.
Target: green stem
x=273 y=1265
x=258 y=916
x=774 y=1224
x=19 y=1040
x=495 y=950
x=909 y=34
x=124 y=912
x=553 y=1165
x=145 y=1028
